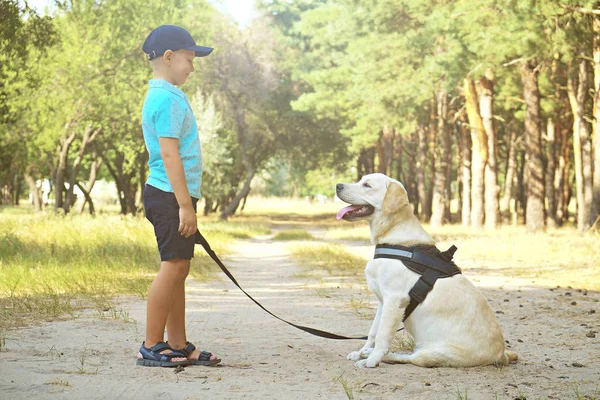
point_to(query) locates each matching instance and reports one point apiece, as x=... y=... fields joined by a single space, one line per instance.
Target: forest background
x=486 y=110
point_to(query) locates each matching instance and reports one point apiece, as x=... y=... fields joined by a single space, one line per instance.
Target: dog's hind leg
x=367 y=349
x=431 y=357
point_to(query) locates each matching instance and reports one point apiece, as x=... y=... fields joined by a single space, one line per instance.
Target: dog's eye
x=367 y=185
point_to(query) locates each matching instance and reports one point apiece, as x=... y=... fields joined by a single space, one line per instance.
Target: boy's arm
x=169 y=151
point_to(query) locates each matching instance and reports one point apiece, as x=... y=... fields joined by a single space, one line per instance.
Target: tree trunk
x=235 y=202
x=551 y=172
x=385 y=151
x=486 y=107
x=62 y=153
x=380 y=153
x=596 y=123
x=465 y=173
x=87 y=199
x=35 y=192
x=421 y=167
x=88 y=138
x=595 y=228
x=510 y=178
x=443 y=149
x=479 y=154
x=561 y=179
x=577 y=89
x=399 y=174
x=125 y=182
x=534 y=168
x=521 y=200
x=411 y=175
x=17 y=189
x=430 y=173
x=366 y=162
x=94 y=168
x=360 y=164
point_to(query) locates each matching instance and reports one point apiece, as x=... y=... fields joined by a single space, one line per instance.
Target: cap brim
x=201 y=51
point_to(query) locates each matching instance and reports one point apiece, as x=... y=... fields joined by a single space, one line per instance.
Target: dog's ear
x=395 y=198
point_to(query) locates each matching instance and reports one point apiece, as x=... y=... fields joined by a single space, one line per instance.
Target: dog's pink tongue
x=345 y=210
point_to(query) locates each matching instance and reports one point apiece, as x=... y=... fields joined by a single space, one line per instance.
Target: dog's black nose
x=339 y=187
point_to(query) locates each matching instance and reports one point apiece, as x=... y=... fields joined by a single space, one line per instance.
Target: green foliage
x=218 y=144
x=24 y=38
x=293 y=234
x=292 y=100
x=330 y=257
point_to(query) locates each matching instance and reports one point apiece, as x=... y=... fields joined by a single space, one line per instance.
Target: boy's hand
x=188 y=224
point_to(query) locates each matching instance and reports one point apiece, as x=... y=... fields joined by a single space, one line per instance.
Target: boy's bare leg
x=161 y=295
x=176 y=321
x=176 y=318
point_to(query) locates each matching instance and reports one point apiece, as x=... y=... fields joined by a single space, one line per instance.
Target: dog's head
x=374 y=195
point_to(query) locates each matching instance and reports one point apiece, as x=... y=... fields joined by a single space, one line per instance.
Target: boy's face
x=180 y=65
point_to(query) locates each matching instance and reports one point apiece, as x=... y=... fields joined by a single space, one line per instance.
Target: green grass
x=293 y=234
x=361 y=306
x=51 y=265
x=402 y=343
x=560 y=257
x=330 y=257
x=351 y=232
x=348 y=385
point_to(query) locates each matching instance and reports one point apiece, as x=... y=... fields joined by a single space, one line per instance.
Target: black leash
x=199 y=239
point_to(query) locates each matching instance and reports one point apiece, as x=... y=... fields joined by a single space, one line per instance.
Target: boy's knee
x=177 y=266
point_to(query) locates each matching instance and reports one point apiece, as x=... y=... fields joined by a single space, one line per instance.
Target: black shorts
x=162 y=211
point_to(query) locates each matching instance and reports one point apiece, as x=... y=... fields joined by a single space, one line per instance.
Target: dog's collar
x=426 y=261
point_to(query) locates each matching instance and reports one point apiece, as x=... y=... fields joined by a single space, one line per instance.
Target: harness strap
x=199 y=239
x=430 y=267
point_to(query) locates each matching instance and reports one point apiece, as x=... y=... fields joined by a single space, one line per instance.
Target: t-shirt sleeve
x=168 y=118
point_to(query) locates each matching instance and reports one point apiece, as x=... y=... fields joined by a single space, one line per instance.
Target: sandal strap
x=187 y=350
x=204 y=355
x=158 y=347
x=154 y=352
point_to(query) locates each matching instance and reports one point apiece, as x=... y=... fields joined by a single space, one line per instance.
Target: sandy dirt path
x=556 y=333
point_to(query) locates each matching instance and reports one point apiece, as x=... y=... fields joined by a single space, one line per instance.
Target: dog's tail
x=510 y=357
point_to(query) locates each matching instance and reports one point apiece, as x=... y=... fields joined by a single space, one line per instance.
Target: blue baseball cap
x=171 y=37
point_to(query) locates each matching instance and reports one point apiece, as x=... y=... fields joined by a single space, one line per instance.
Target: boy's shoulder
x=160 y=98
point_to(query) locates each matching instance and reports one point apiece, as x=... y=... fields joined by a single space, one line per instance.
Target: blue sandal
x=203 y=358
x=151 y=357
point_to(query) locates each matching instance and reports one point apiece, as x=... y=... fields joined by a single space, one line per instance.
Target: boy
x=171 y=193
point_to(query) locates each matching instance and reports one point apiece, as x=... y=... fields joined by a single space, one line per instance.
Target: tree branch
x=581 y=10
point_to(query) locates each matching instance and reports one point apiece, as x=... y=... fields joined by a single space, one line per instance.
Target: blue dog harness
x=426 y=261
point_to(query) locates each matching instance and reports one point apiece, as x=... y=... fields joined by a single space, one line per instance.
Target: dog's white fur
x=453 y=327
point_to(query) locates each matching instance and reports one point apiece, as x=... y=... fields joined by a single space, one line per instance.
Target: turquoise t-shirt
x=167 y=113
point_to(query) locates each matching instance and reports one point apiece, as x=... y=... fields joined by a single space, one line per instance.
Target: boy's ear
x=395 y=198
x=168 y=56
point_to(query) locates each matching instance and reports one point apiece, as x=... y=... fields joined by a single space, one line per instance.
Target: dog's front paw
x=370 y=362
x=362 y=353
x=366 y=363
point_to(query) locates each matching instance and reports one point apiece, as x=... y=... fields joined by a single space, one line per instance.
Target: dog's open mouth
x=355 y=211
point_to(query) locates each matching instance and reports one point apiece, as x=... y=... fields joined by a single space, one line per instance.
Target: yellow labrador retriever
x=453 y=327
